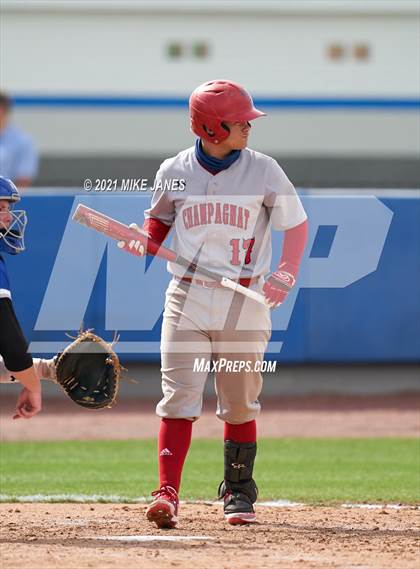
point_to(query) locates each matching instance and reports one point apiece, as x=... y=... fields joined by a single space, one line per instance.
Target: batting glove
x=278 y=285
x=134 y=245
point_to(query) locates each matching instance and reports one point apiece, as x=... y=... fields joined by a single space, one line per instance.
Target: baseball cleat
x=163 y=510
x=238 y=503
x=241 y=518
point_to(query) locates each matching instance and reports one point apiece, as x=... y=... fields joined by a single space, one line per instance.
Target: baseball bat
x=120 y=232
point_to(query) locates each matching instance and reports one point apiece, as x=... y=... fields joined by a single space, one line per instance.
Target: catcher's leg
x=44 y=369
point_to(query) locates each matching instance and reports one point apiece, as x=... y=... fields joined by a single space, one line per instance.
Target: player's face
x=239 y=133
x=237 y=140
x=5 y=214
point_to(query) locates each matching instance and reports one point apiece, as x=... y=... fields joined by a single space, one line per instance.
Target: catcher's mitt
x=89 y=371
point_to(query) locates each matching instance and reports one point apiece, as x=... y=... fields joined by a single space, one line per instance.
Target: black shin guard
x=239 y=461
x=239 y=465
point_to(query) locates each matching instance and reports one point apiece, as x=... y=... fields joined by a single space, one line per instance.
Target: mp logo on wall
x=92 y=282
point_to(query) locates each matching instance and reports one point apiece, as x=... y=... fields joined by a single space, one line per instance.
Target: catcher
x=13 y=346
x=88 y=369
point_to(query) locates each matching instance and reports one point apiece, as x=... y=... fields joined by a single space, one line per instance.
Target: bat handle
x=257 y=296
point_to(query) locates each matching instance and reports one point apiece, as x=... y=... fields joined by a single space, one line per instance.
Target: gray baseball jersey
x=224 y=221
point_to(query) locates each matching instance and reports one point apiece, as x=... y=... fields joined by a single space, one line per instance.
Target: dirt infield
x=67 y=536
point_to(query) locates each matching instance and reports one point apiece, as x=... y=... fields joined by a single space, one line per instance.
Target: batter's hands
x=278 y=286
x=134 y=245
x=29 y=403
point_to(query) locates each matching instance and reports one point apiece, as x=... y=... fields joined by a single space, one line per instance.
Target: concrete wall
x=117 y=53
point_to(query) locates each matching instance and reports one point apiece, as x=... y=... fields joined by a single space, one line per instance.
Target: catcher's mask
x=13 y=232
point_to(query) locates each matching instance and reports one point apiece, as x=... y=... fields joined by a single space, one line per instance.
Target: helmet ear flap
x=211 y=133
x=208 y=130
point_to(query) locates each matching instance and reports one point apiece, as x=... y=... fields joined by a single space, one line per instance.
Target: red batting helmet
x=216 y=101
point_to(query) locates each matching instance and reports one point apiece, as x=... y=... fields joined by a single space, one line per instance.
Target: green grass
x=307 y=470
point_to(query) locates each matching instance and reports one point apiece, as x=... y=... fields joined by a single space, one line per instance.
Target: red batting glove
x=278 y=285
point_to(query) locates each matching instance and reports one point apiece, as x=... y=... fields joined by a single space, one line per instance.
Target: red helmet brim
x=245 y=116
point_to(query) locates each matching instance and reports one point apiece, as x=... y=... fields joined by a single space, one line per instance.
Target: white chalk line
x=117 y=499
x=382 y=506
x=76 y=498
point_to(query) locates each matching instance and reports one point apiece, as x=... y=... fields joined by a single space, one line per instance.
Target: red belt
x=215 y=284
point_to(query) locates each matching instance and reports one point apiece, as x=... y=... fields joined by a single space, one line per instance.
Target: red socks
x=175 y=439
x=173 y=445
x=244 y=433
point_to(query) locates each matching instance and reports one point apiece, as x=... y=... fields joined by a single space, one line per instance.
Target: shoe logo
x=237 y=465
x=165 y=452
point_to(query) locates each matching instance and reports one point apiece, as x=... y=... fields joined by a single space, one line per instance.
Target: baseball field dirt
x=391 y=415
x=70 y=536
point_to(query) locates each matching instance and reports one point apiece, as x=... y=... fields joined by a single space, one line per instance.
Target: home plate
x=153 y=537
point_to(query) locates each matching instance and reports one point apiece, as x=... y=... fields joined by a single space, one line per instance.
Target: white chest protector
x=224 y=222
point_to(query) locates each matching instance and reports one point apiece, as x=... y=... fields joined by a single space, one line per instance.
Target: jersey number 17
x=247 y=245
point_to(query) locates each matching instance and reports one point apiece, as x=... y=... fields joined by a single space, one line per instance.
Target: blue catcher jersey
x=4 y=279
x=12 y=246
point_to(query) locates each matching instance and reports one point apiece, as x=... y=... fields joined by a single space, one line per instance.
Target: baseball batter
x=232 y=197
